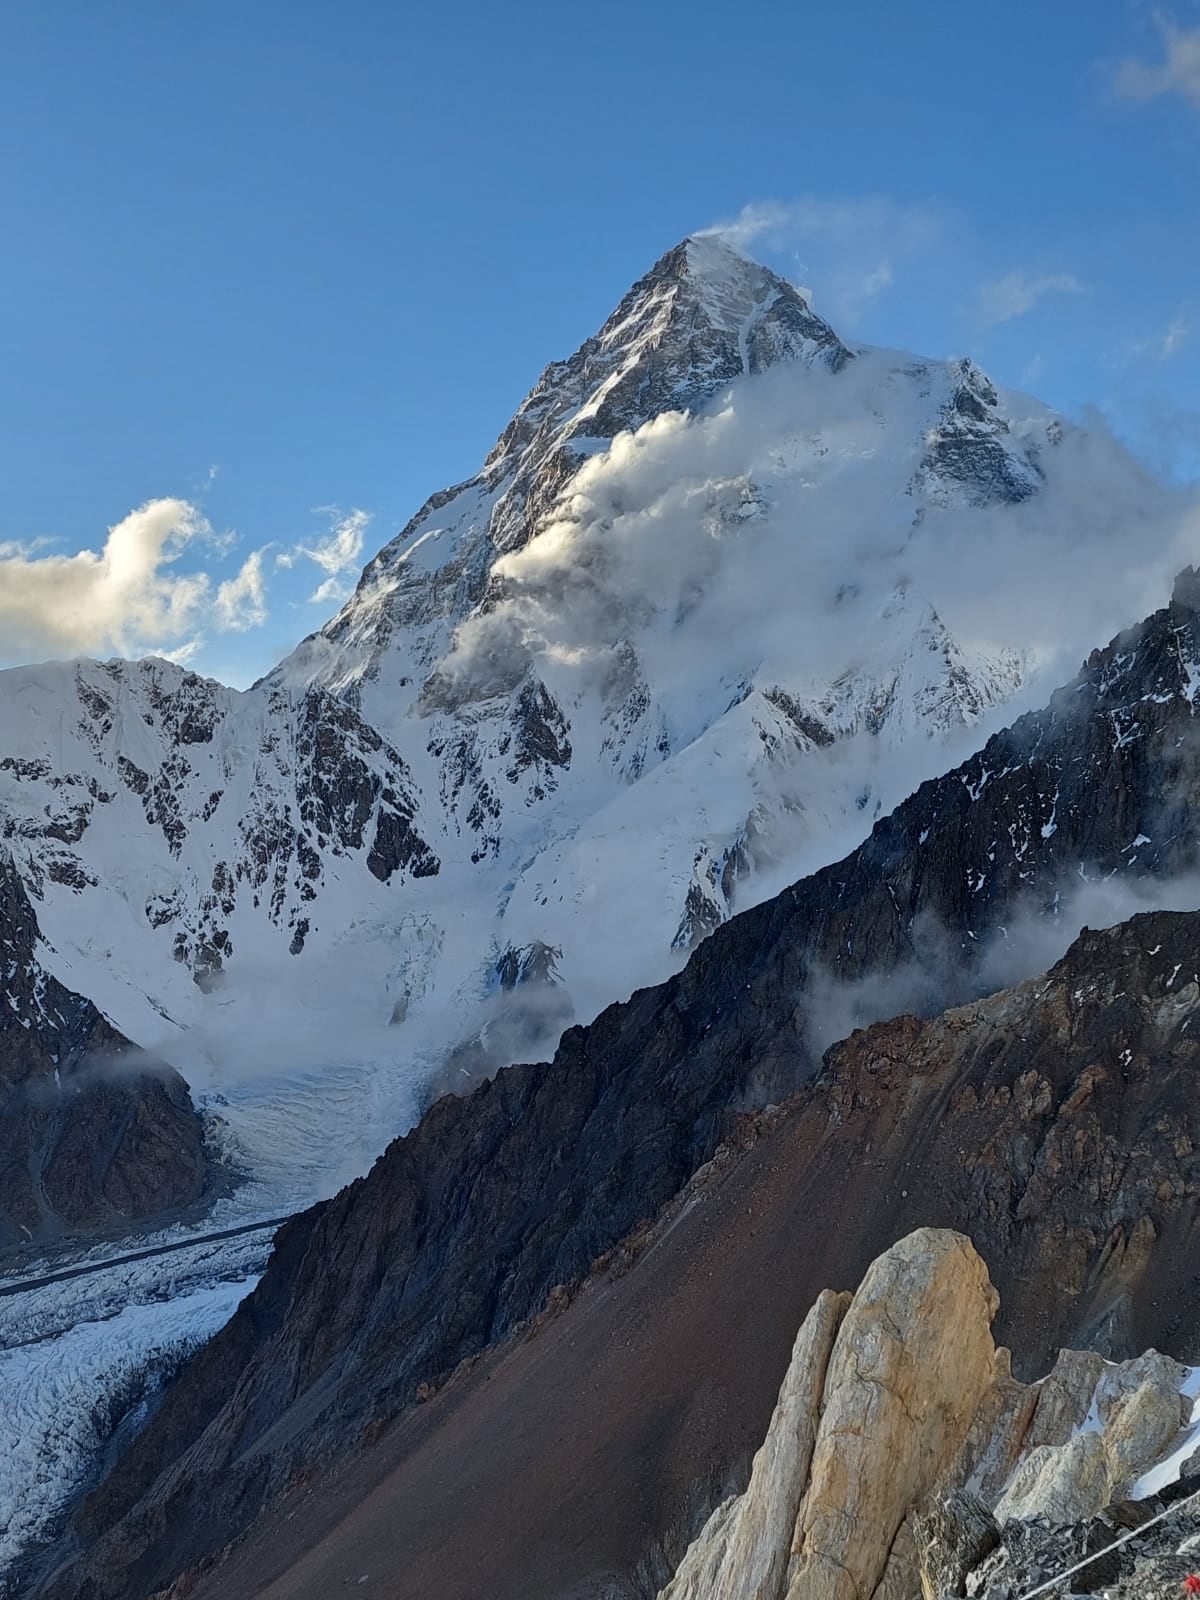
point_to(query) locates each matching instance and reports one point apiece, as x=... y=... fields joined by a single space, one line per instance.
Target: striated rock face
x=89 y=1136
x=744 y=1551
x=913 y=1359
x=905 y=1415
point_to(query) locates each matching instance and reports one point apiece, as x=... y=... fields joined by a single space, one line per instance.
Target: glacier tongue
x=691 y=626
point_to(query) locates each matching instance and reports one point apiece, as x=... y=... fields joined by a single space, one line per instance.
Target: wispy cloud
x=241 y=602
x=128 y=596
x=849 y=248
x=339 y=555
x=1018 y=292
x=1176 y=336
x=1178 y=72
x=1161 y=346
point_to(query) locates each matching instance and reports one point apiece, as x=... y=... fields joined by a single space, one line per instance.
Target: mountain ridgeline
x=519 y=720
x=95 y=1135
x=465 y=1227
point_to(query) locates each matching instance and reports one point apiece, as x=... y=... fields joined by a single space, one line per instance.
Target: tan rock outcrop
x=742 y=1552
x=901 y=1439
x=1062 y=1482
x=913 y=1360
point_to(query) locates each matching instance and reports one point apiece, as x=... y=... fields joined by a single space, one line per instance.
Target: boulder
x=952 y=1535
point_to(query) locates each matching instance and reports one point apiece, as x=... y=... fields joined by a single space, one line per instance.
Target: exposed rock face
x=884 y=1505
x=465 y=1226
x=1155 y=1564
x=88 y=1136
x=1130 y=1414
x=236 y=807
x=744 y=1551
x=952 y=1534
x=913 y=1359
x=913 y=1355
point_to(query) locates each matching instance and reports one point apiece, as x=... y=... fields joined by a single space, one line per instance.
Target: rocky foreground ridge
x=91 y=1133
x=1057 y=1123
x=1018 y=1122
x=901 y=1450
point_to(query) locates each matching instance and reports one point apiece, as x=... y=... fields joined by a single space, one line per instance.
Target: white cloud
x=242 y=601
x=339 y=555
x=849 y=248
x=1177 y=73
x=666 y=526
x=1158 y=346
x=1016 y=293
x=1176 y=336
x=127 y=597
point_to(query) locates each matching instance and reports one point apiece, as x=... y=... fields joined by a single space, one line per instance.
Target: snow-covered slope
x=693 y=623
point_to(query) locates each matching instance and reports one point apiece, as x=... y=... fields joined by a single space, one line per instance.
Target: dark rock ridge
x=90 y=1136
x=1058 y=1121
x=464 y=1226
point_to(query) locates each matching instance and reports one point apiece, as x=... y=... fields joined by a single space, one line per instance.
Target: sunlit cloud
x=339 y=555
x=129 y=596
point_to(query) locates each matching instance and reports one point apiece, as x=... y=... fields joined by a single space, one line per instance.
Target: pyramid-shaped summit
x=584 y=702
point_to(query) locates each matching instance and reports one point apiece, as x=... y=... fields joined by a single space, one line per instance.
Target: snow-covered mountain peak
x=711 y=602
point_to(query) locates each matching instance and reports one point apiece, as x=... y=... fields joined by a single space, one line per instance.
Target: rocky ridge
x=467 y=1224
x=91 y=1133
x=901 y=1446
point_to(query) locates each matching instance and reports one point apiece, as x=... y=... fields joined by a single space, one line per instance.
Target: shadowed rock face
x=647 y=1395
x=464 y=1226
x=86 y=1138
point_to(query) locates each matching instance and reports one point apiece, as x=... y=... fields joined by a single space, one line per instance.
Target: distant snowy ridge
x=722 y=590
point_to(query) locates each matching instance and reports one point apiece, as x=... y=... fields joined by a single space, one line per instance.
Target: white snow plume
x=799 y=490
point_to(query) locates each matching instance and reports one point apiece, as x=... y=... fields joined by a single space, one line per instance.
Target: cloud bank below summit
x=784 y=487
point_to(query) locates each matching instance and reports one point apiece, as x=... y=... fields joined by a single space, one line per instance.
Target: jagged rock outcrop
x=952 y=1533
x=745 y=1549
x=1082 y=1459
x=91 y=1134
x=884 y=1508
x=913 y=1359
x=466 y=1225
x=861 y=1431
x=1154 y=1564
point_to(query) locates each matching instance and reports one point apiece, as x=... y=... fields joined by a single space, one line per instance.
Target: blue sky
x=283 y=264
